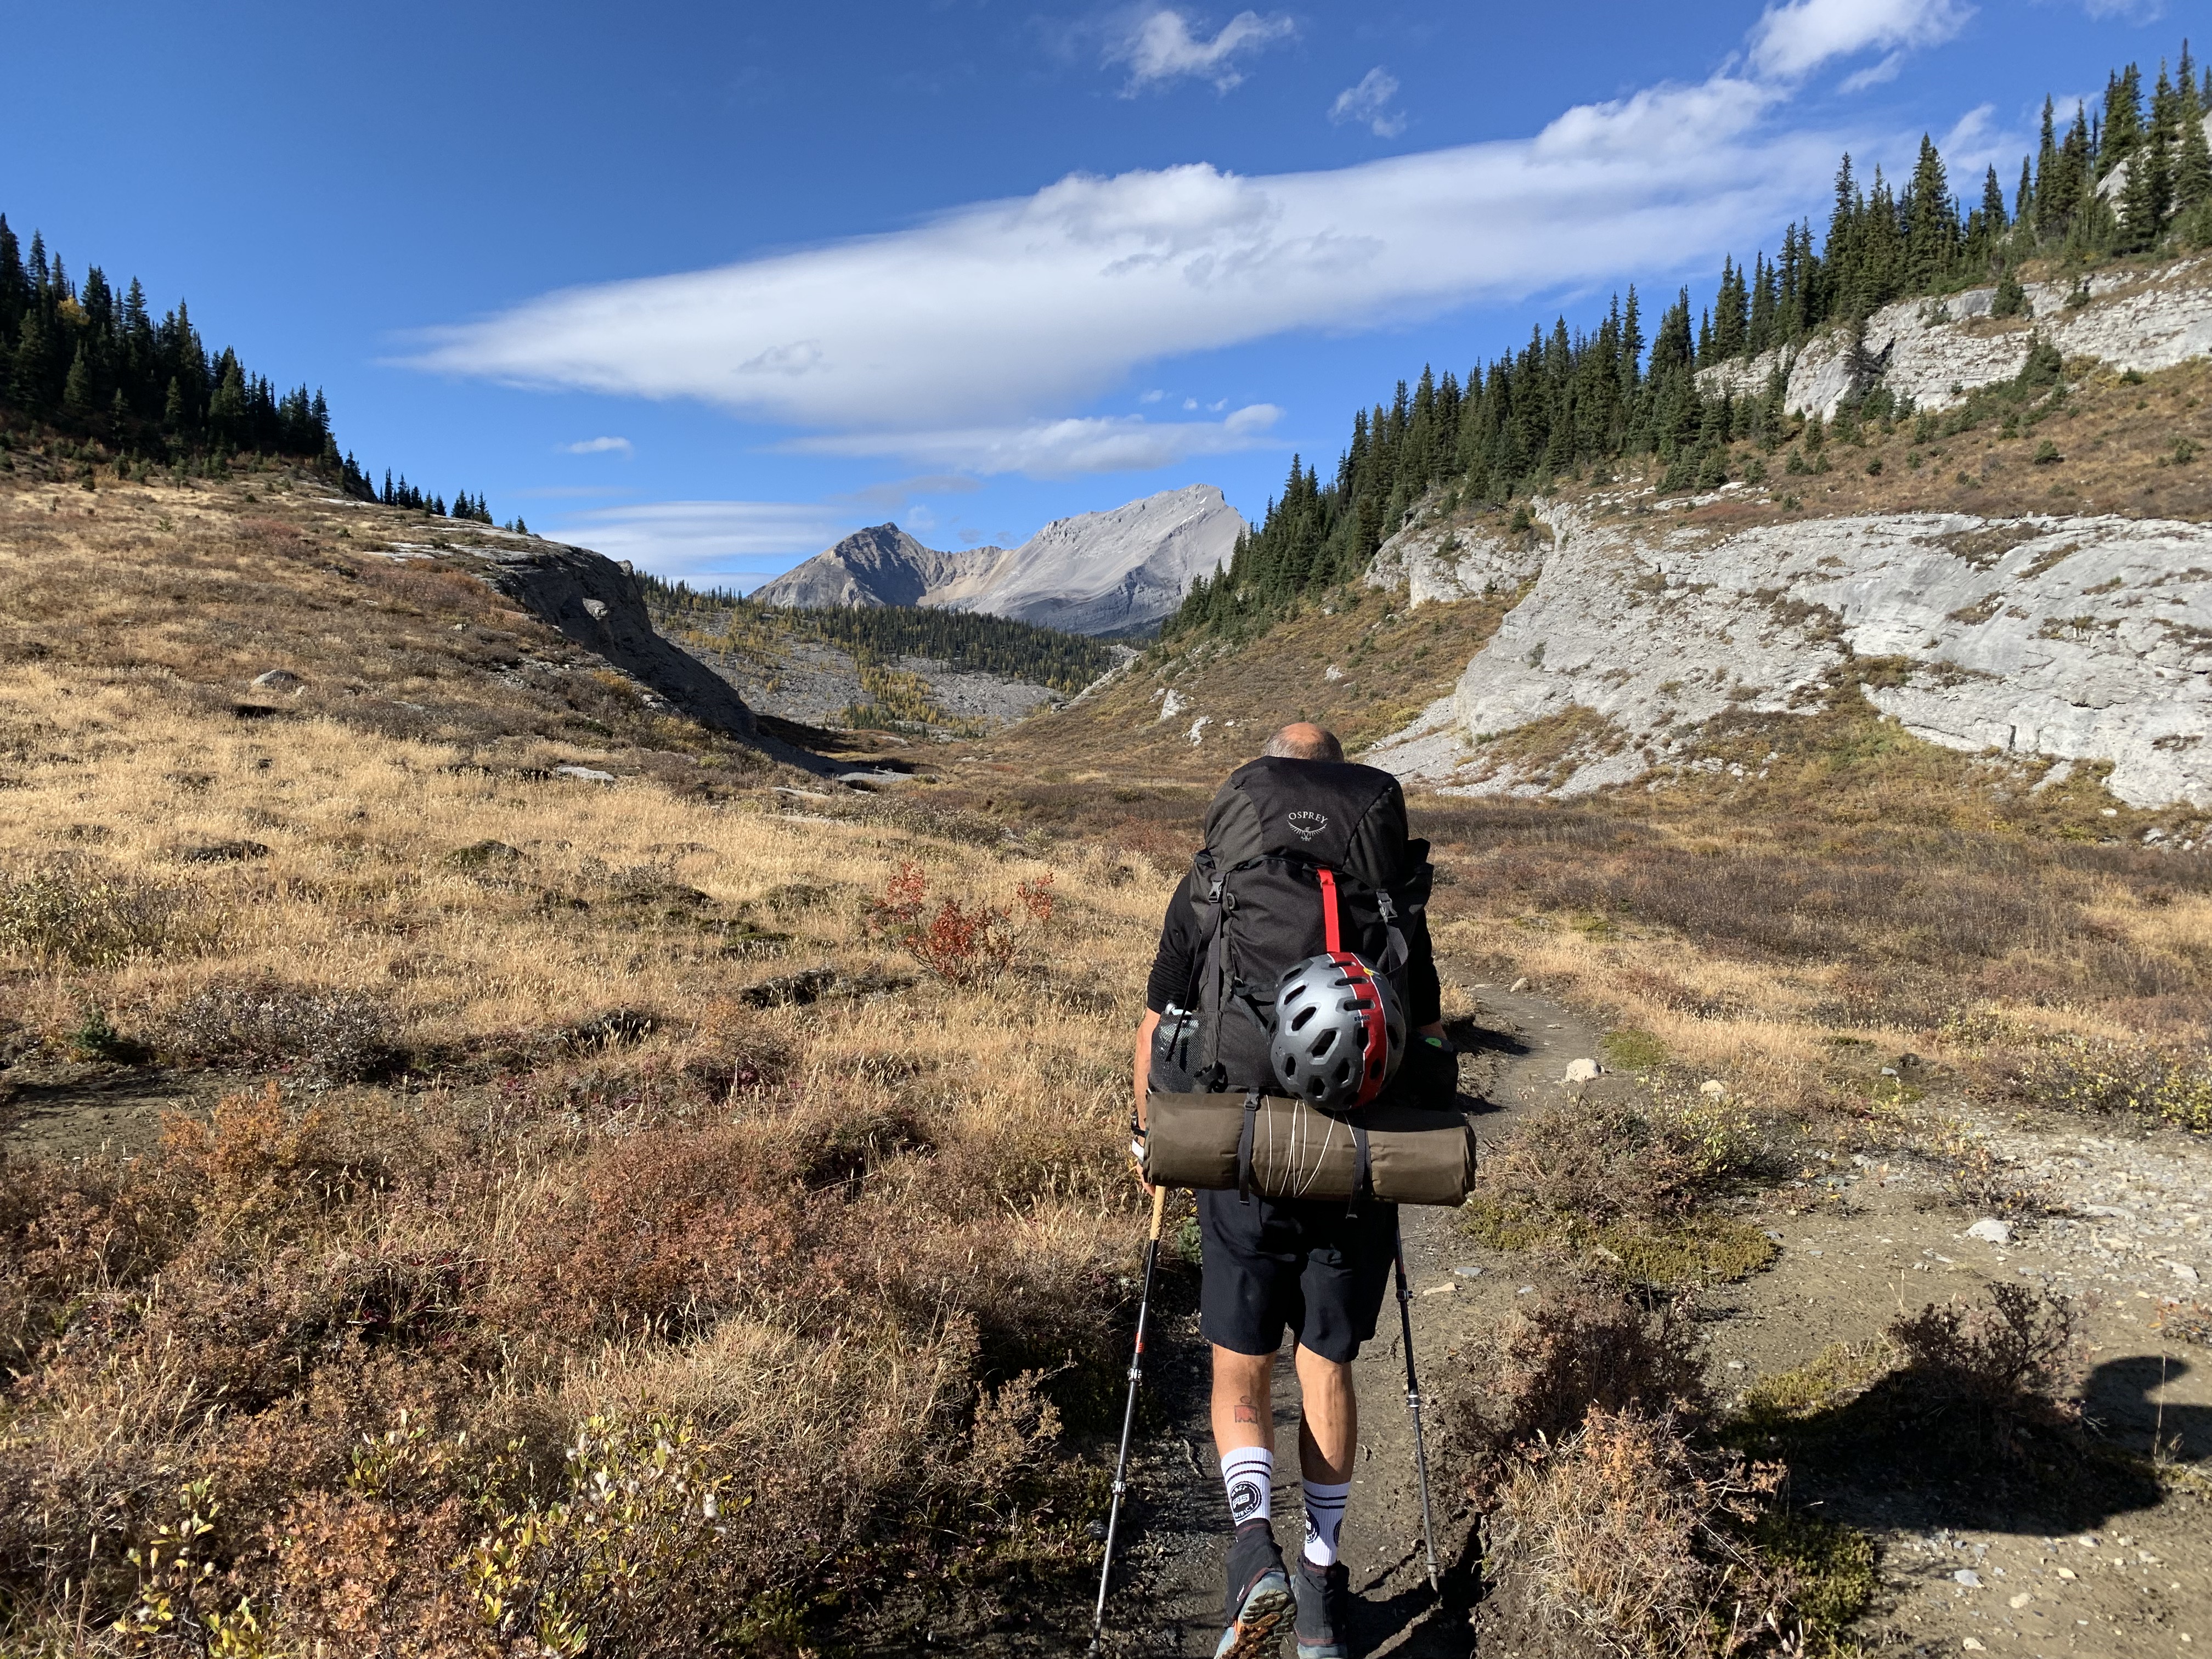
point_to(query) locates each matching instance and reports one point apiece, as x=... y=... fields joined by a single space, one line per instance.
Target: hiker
x=1317 y=1266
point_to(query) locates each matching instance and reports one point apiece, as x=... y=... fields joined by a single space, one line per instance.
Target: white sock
x=1324 y=1518
x=1249 y=1472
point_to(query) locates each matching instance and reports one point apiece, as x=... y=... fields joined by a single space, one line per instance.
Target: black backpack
x=1279 y=835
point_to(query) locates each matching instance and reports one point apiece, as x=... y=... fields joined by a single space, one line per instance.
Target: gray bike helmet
x=1340 y=1032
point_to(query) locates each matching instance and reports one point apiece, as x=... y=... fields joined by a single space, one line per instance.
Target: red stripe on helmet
x=1374 y=1026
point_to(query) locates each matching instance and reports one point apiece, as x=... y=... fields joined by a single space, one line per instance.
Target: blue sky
x=708 y=286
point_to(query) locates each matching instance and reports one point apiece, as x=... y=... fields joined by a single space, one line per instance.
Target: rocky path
x=1168 y=1597
x=2125 y=1568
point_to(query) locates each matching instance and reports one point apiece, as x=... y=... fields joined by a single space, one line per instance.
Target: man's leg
x=1248 y=1292
x=1328 y=1438
x=1341 y=1290
x=1259 y=1598
x=1244 y=1431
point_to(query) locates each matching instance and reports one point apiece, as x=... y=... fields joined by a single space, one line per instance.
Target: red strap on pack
x=1376 y=1049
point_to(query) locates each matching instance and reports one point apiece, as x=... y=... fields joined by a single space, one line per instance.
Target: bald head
x=1303 y=740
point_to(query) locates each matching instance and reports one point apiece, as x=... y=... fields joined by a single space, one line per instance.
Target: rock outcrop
x=598 y=604
x=1937 y=351
x=1106 y=574
x=2069 y=639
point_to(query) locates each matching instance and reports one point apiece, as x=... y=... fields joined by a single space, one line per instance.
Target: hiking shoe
x=1259 y=1594
x=1324 y=1597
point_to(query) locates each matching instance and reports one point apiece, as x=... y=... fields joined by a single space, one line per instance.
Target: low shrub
x=1995 y=1371
x=2105 y=1076
x=1547 y=1368
x=1981 y=1388
x=1627 y=1539
x=323 y=1036
x=961 y=944
x=1623 y=1186
x=1987 y=1185
x=74 y=914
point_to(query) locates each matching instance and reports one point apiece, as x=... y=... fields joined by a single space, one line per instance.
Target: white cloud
x=599 y=446
x=997 y=315
x=681 y=539
x=1370 y=102
x=982 y=326
x=1159 y=47
x=1873 y=74
x=1798 y=36
x=1060 y=449
x=2136 y=11
x=899 y=491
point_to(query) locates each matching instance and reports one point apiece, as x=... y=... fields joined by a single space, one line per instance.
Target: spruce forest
x=878 y=634
x=2132 y=179
x=96 y=375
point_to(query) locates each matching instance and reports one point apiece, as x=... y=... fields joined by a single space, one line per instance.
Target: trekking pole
x=1128 y=1422
x=1414 y=1405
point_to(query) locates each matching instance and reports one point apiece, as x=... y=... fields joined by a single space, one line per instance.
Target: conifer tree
x=77 y=396
x=2146 y=198
x=2123 y=122
x=2192 y=166
x=1931 y=222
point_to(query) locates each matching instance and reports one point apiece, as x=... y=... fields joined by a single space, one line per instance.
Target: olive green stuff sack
x=1415 y=1156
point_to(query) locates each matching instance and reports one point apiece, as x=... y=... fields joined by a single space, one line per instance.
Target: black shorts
x=1302 y=1263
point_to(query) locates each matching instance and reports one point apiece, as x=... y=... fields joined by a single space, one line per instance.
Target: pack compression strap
x=1376 y=1050
x=1332 y=939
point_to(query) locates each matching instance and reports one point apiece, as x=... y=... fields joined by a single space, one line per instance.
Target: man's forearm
x=1143 y=1066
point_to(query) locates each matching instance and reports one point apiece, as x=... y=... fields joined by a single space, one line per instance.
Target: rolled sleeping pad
x=1414 y=1155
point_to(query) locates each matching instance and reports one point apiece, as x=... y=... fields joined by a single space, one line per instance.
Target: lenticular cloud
x=1007 y=311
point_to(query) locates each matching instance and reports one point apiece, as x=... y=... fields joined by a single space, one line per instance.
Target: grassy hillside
x=403 y=1135
x=1388 y=663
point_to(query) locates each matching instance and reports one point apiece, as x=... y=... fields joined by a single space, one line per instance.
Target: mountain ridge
x=1109 y=574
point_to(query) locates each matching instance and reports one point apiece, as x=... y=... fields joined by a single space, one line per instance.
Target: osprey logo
x=1306 y=825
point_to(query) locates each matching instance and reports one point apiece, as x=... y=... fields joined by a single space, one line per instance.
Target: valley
x=544 y=1110
x=497 y=921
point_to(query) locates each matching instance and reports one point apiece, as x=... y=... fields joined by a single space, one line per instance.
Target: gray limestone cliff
x=2066 y=639
x=1937 y=351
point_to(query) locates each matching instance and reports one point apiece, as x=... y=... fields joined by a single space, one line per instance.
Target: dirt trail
x=1168 y=1597
x=2121 y=1568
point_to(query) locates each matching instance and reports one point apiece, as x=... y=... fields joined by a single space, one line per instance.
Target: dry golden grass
x=1391 y=662
x=1790 y=936
x=543 y=1179
x=2121 y=443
